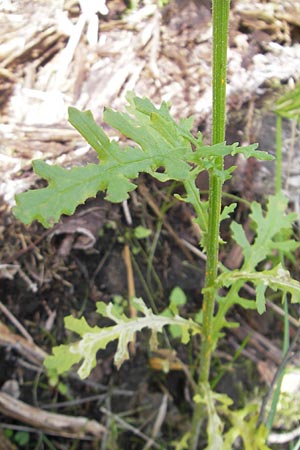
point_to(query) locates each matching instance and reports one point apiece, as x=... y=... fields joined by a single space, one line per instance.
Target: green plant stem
x=278 y=153
x=220 y=16
x=220 y=38
x=285 y=351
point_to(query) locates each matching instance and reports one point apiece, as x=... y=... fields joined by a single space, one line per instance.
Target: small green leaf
x=177 y=297
x=183 y=443
x=250 y=151
x=22 y=438
x=141 y=232
x=62 y=388
x=227 y=210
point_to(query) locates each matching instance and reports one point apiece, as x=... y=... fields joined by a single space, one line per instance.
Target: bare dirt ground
x=53 y=55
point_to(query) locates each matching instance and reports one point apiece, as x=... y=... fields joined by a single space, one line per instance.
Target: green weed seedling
x=167 y=150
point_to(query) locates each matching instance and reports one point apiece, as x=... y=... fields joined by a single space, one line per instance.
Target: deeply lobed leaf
x=165 y=149
x=276 y=279
x=124 y=330
x=269 y=227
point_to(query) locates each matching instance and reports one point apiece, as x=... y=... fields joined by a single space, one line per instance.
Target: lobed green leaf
x=269 y=229
x=124 y=331
x=276 y=279
x=166 y=150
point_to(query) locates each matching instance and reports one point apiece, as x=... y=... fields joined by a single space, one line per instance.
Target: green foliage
x=272 y=235
x=273 y=230
x=288 y=105
x=183 y=444
x=165 y=151
x=177 y=299
x=277 y=279
x=215 y=425
x=168 y=151
x=22 y=438
x=242 y=423
x=244 y=426
x=141 y=232
x=268 y=228
x=124 y=330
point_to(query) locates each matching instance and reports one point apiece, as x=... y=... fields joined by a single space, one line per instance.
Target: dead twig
x=159 y=420
x=59 y=424
x=15 y=322
x=13 y=258
x=129 y=427
x=23 y=346
x=282 y=438
x=131 y=287
x=5 y=444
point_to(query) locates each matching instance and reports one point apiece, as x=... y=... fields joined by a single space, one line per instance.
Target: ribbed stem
x=220 y=39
